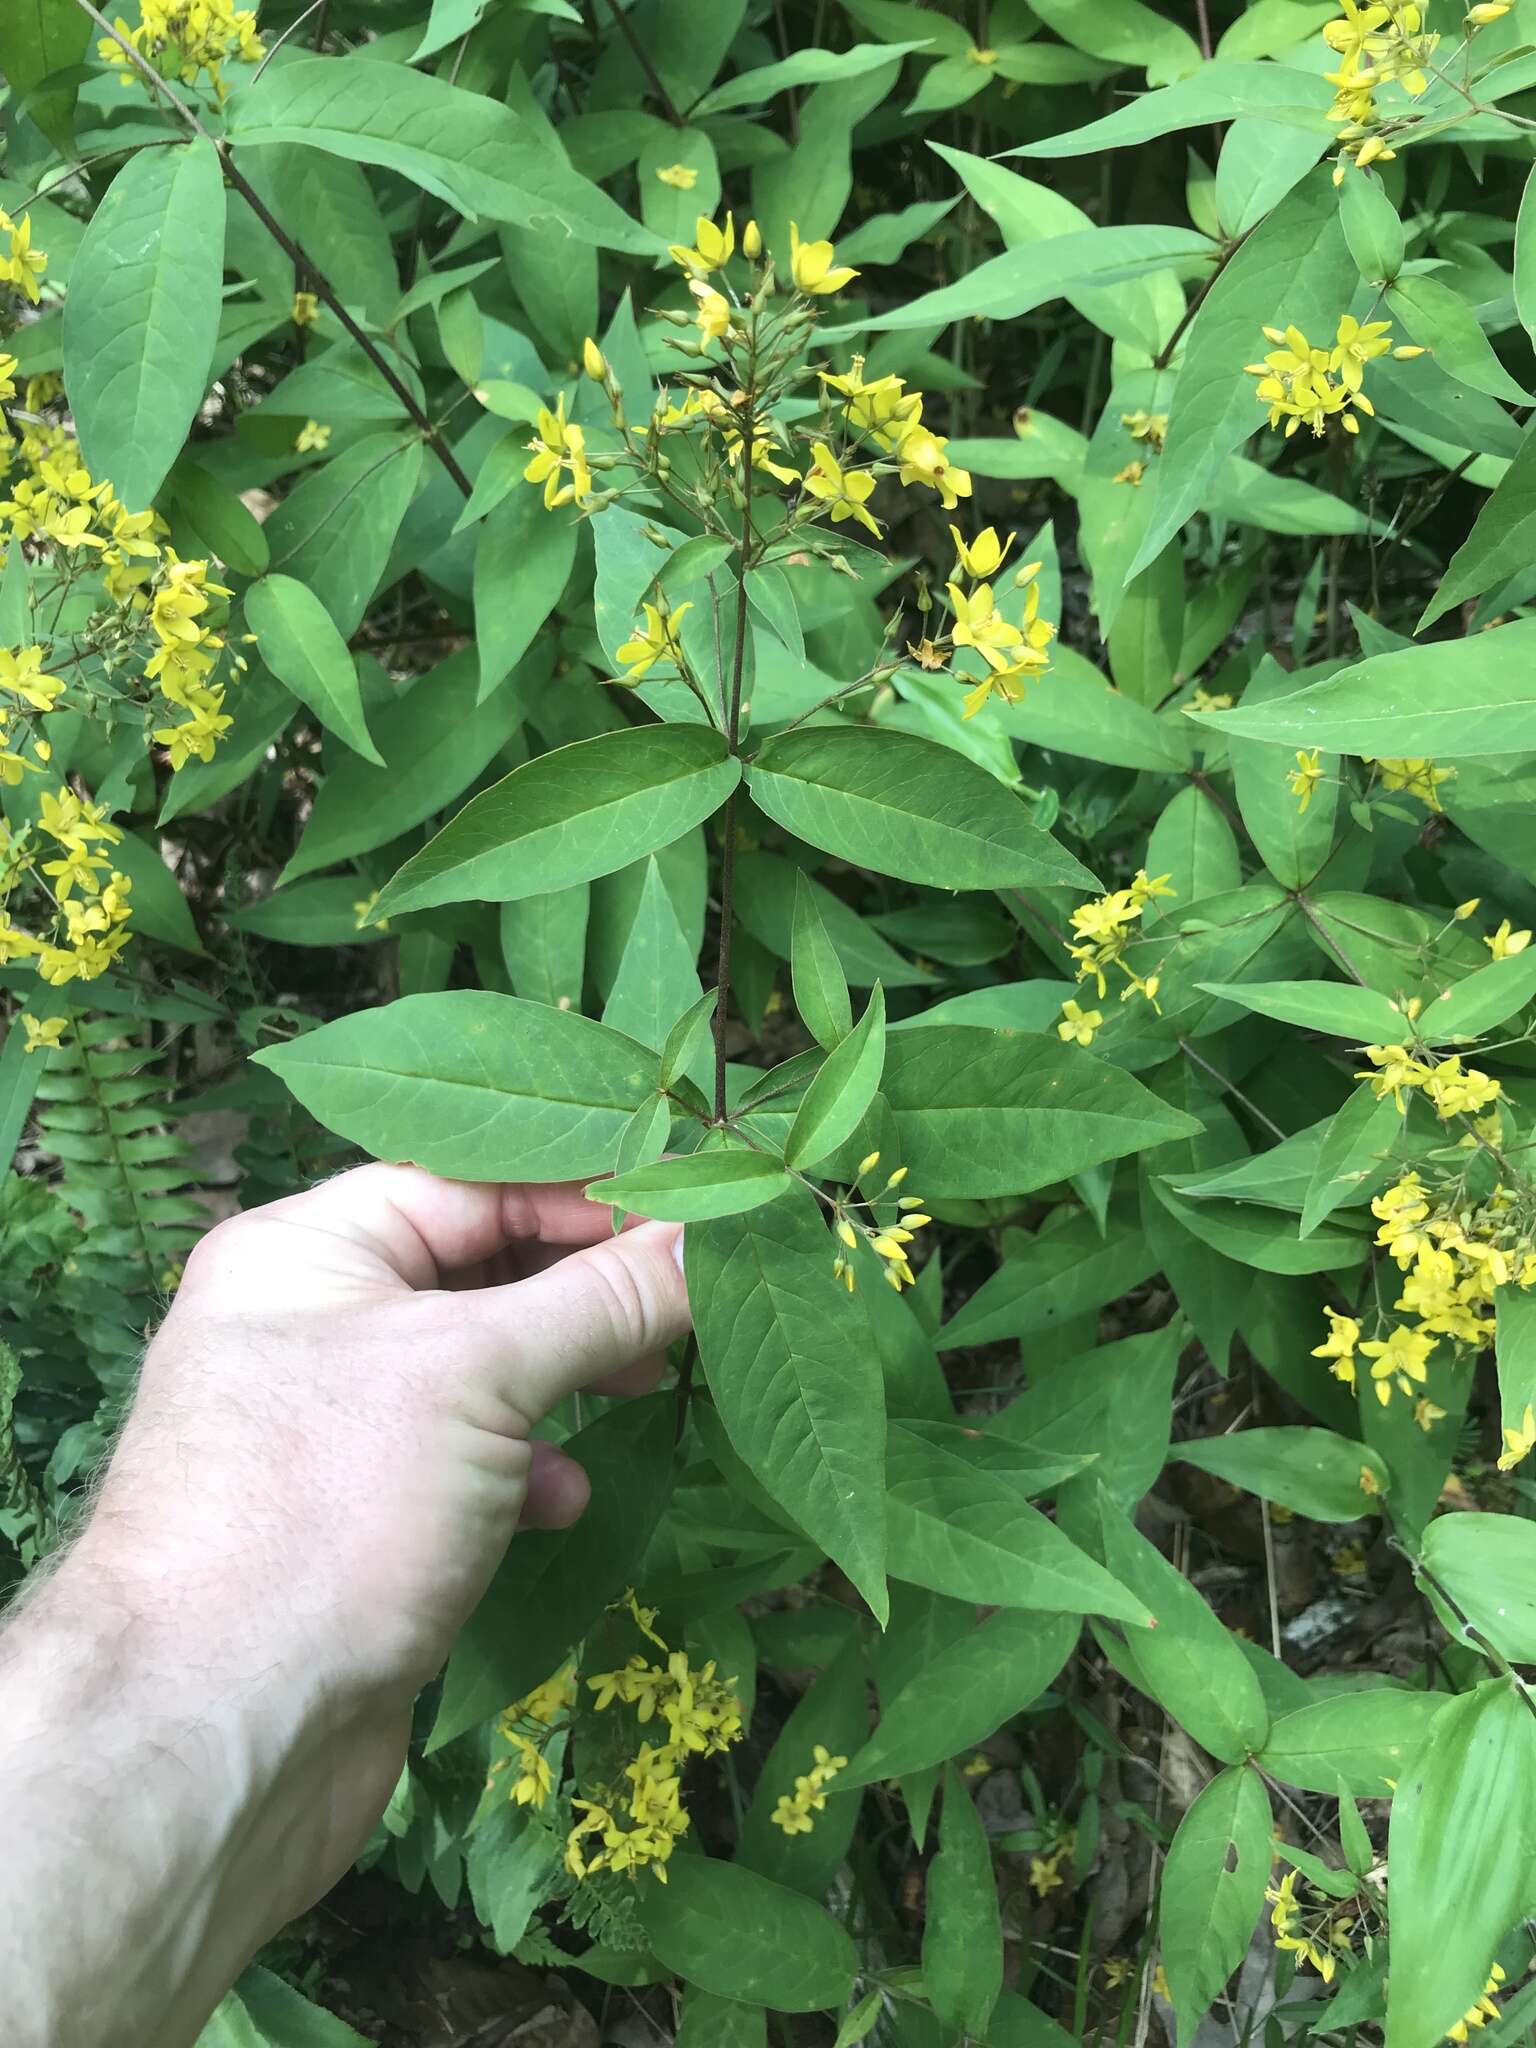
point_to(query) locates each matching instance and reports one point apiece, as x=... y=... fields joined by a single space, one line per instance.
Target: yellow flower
x=1403 y=1358
x=1078 y=1025
x=1518 y=1443
x=843 y=492
x=1418 y=778
x=1151 y=427
x=1307 y=772
x=1339 y=1345
x=922 y=460
x=883 y=408
x=979 y=624
x=985 y=555
x=8 y=368
x=714 y=309
x=558 y=447
x=313 y=436
x=1355 y=346
x=1134 y=474
x=1208 y=700
x=1477 y=2016
x=795 y=1813
x=306 y=309
x=21 y=673
x=682 y=177
x=43 y=1033
x=712 y=247
x=812 y=267
x=1465 y=910
x=21 y=265
x=1505 y=944
x=658 y=642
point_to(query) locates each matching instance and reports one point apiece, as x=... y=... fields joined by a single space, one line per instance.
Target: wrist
x=223 y=1786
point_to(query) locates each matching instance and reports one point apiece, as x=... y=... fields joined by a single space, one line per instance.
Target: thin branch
x=626 y=29
x=732 y=735
x=293 y=29
x=1165 y=354
x=324 y=289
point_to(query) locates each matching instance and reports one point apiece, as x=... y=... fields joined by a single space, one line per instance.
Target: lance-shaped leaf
x=472 y=1085
x=1363 y=1738
x=142 y=315
x=731 y=1932
x=816 y=973
x=908 y=807
x=963 y=1526
x=1312 y=1472
x=1487 y=1566
x=1281 y=93
x=991 y=1113
x=796 y=1380
x=834 y=1105
x=962 y=1928
x=1462 y=1836
x=581 y=811
x=467 y=148
x=1213 y=1891
x=300 y=644
x=707 y=1183
x=1455 y=699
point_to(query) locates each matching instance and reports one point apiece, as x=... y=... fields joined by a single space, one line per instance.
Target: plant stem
x=324 y=289
x=1165 y=354
x=732 y=729
x=626 y=29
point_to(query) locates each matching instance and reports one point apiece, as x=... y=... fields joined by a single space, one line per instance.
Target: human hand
x=327 y=1456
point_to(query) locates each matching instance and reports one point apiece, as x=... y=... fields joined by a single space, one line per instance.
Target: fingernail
x=677 y=1252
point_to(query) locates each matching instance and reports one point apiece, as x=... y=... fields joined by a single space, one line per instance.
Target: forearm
x=165 y=1808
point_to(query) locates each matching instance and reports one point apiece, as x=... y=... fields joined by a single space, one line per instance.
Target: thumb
x=603 y=1308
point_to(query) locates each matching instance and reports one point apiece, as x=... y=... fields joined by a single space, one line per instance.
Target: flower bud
x=592 y=360
x=752 y=237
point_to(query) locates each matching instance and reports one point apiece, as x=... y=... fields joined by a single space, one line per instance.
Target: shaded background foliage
x=1099 y=1839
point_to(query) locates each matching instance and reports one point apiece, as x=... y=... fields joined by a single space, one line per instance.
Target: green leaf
x=522 y=561
x=1009 y=286
x=965 y=1693
x=1451 y=700
x=963 y=1527
x=39 y=38
x=334 y=531
x=1187 y=1660
x=834 y=1712
x=1371 y=227
x=1216 y=92
x=728 y=1931
x=1515 y=1351
x=1481 y=1000
x=1487 y=1565
x=1351 y=1155
x=318 y=913
x=305 y=652
x=657 y=981
x=1311 y=1471
x=472 y=1085
x=1525 y=257
x=554 y=1584
x=544 y=946
x=709 y=2021
x=1363 y=1739
x=466 y=148
x=160 y=909
x=805 y=67
x=1193 y=844
x=905 y=806
x=1082 y=713
x=766 y=888
x=1294 y=267
x=1438 y=318
x=1336 y=1007
x=1462 y=1835
x=693 y=1189
x=219 y=518
x=581 y=811
x=1050 y=1279
x=794 y=1376
x=989 y=1113
x=1213 y=1891
x=816 y=974
x=1124 y=32
x=686 y=1041
x=835 y=1104
x=1502 y=538
x=435 y=739
x=20 y=1072
x=962 y=1925
x=1293 y=844
x=142 y=315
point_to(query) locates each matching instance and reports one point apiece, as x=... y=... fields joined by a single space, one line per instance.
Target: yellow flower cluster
x=1045 y=1870
x=1377 y=43
x=90 y=898
x=556 y=448
x=1104 y=929
x=186 y=39
x=1453 y=1255
x=1477 y=2016
x=640 y=1825
x=1453 y=1089
x=1313 y=1936
x=525 y=1726
x=1416 y=777
x=657 y=641
x=20 y=265
x=1010 y=652
x=887 y=1240
x=1302 y=383
x=796 y=1812
x=884 y=412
